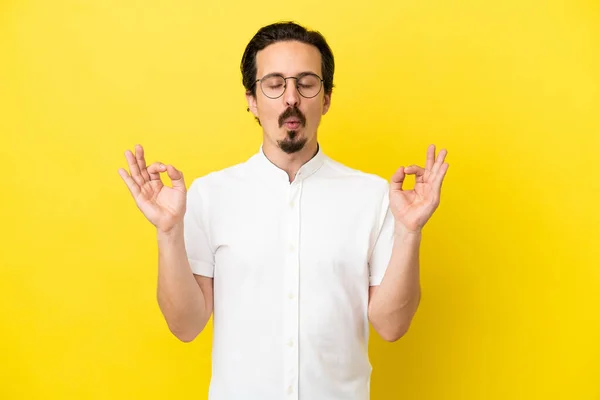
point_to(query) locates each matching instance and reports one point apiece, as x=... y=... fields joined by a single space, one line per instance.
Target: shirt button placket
x=292 y=284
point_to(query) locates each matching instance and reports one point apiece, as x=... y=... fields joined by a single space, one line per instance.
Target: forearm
x=180 y=298
x=396 y=299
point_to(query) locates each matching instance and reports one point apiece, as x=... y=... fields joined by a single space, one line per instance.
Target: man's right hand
x=163 y=206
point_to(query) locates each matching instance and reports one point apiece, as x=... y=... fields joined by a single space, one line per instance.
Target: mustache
x=292 y=112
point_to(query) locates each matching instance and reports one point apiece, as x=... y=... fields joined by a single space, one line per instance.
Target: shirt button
x=291 y=248
x=291 y=343
x=290 y=296
x=290 y=390
x=291 y=204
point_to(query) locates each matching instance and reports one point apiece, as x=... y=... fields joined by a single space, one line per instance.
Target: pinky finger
x=133 y=187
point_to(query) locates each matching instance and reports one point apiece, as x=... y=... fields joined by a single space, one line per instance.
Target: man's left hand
x=413 y=208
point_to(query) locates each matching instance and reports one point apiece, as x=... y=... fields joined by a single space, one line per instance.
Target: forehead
x=289 y=58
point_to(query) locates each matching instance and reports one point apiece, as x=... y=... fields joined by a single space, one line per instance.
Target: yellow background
x=510 y=261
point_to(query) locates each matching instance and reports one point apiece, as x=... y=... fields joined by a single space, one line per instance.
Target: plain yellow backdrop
x=510 y=261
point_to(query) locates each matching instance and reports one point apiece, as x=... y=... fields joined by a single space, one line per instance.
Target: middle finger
x=439 y=161
x=134 y=169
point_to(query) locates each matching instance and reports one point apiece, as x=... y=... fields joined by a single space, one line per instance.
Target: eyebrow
x=299 y=74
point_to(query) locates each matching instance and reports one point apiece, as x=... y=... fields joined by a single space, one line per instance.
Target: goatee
x=289 y=145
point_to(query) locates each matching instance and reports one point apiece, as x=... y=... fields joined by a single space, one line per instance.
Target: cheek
x=313 y=115
x=268 y=111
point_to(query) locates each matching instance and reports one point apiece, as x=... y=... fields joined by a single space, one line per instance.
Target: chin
x=292 y=143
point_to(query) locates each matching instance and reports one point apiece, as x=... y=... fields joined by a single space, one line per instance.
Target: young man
x=293 y=253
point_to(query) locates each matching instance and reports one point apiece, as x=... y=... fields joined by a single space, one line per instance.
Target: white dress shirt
x=292 y=264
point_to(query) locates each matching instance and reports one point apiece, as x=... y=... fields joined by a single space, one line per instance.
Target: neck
x=290 y=163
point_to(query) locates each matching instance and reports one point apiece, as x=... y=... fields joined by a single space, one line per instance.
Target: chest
x=321 y=231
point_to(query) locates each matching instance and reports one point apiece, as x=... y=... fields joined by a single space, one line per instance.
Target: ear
x=252 y=105
x=326 y=102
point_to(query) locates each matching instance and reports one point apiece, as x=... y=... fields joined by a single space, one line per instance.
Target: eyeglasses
x=273 y=85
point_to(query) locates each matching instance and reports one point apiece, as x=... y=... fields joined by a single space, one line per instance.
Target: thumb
x=176 y=177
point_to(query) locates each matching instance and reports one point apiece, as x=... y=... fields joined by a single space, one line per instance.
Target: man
x=293 y=253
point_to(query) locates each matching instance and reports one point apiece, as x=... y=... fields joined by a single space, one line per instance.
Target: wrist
x=172 y=233
x=402 y=231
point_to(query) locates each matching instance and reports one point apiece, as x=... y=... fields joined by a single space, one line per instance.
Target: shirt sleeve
x=196 y=234
x=382 y=249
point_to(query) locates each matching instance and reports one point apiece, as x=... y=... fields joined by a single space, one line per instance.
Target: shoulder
x=219 y=180
x=354 y=178
x=214 y=188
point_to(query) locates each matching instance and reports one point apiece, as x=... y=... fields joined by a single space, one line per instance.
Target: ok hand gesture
x=413 y=208
x=163 y=206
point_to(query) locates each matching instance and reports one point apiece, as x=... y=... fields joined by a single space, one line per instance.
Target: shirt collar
x=306 y=170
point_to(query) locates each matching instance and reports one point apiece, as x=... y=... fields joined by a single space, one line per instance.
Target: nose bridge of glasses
x=295 y=85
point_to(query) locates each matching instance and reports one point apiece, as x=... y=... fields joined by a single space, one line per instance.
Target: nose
x=291 y=95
